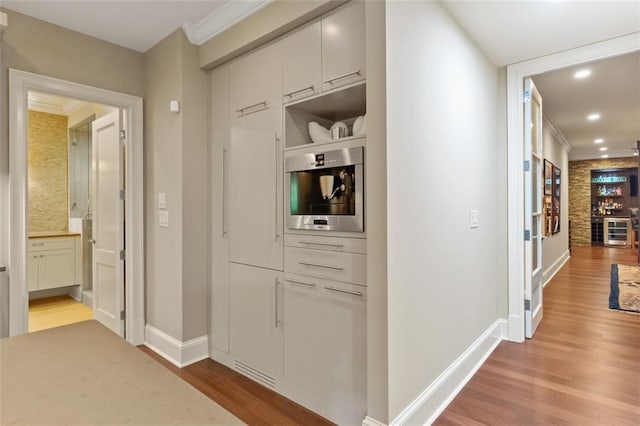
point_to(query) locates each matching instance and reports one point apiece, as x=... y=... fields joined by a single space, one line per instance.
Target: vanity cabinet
x=302 y=62
x=52 y=262
x=343 y=45
x=255 y=320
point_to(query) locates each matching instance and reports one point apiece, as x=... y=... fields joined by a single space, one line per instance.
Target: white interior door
x=108 y=208
x=533 y=207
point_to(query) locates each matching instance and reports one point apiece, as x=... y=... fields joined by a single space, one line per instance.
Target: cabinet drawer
x=331 y=265
x=347 y=245
x=39 y=244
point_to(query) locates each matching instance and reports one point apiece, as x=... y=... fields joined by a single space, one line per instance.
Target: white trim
x=556 y=133
x=173 y=350
x=552 y=270
x=221 y=19
x=369 y=421
x=20 y=83
x=426 y=408
x=515 y=155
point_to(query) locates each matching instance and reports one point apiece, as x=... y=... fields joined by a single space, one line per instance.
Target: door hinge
x=122 y=194
x=122 y=315
x=526 y=165
x=527 y=304
x=121 y=254
x=527 y=235
x=123 y=134
x=526 y=96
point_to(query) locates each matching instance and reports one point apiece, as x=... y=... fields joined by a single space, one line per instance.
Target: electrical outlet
x=162 y=200
x=163 y=219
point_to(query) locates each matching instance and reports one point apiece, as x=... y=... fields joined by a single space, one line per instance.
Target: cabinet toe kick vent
x=256 y=375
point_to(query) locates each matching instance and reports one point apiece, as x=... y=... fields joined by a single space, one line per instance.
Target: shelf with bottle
x=609 y=191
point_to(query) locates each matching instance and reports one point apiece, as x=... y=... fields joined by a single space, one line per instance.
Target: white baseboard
x=553 y=269
x=426 y=408
x=178 y=353
x=369 y=421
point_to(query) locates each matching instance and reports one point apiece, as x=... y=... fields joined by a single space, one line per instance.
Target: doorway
x=516 y=75
x=130 y=260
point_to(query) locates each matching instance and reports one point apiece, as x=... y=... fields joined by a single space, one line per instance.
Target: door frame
x=20 y=83
x=516 y=74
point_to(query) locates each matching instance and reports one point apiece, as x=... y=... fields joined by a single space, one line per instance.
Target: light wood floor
x=56 y=311
x=581 y=368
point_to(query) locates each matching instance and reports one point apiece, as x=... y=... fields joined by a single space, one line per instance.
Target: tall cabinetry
x=306 y=341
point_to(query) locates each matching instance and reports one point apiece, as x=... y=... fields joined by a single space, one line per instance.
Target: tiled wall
x=48 y=164
x=580 y=193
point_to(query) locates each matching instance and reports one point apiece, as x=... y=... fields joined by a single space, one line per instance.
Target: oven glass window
x=324 y=192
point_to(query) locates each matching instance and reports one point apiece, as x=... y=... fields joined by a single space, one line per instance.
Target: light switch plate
x=163 y=219
x=473 y=219
x=174 y=106
x=162 y=200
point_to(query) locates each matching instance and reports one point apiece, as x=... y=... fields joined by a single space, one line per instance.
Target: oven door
x=325 y=191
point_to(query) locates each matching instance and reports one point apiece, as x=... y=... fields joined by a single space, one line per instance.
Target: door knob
x=92 y=241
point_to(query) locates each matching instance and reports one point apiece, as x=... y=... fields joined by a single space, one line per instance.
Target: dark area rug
x=625 y=288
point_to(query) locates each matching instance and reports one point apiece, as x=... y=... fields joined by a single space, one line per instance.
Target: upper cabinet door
x=301 y=62
x=343 y=45
x=256 y=81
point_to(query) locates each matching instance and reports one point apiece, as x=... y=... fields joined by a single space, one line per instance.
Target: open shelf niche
x=344 y=104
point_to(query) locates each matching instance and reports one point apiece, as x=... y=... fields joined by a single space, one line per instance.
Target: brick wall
x=580 y=193
x=48 y=165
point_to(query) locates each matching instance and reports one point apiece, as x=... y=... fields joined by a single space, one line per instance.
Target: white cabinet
x=325 y=345
x=255 y=198
x=256 y=81
x=255 y=318
x=343 y=45
x=301 y=62
x=52 y=262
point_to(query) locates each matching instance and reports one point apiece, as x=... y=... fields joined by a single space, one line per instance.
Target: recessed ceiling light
x=605 y=156
x=604 y=148
x=582 y=74
x=593 y=117
x=599 y=140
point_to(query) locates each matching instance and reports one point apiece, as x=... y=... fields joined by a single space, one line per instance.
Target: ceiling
x=612 y=90
x=138 y=24
x=515 y=31
x=53 y=104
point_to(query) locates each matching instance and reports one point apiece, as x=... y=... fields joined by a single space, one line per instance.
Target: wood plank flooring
x=56 y=311
x=252 y=403
x=581 y=368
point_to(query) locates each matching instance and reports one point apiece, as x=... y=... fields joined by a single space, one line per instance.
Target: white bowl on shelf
x=360 y=125
x=318 y=133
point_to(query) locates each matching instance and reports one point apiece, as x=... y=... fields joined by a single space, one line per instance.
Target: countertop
x=53 y=234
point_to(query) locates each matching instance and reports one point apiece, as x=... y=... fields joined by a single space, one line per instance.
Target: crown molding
x=228 y=15
x=557 y=133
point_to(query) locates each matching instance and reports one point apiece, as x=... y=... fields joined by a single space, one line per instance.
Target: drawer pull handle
x=313 y=243
x=339 y=290
x=317 y=265
x=290 y=94
x=330 y=81
x=300 y=282
x=242 y=111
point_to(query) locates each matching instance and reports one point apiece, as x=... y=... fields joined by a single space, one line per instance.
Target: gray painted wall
x=32 y=45
x=175 y=160
x=556 y=245
x=442 y=138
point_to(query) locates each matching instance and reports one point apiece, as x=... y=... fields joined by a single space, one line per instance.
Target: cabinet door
x=301 y=62
x=56 y=268
x=344 y=357
x=343 y=44
x=32 y=266
x=302 y=326
x=255 y=193
x=256 y=81
x=255 y=317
